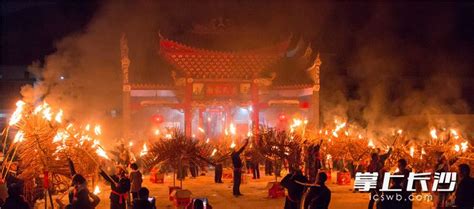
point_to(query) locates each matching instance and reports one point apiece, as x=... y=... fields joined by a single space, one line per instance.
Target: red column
x=255 y=109
x=188 y=92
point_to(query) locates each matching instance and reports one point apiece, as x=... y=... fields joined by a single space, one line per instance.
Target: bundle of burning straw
x=43 y=142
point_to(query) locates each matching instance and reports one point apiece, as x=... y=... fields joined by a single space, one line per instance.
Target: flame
x=339 y=126
x=47 y=112
x=232 y=128
x=371 y=144
x=464 y=146
x=144 y=150
x=412 y=151
x=328 y=157
x=59 y=116
x=249 y=134
x=454 y=133
x=400 y=131
x=214 y=152
x=101 y=152
x=457 y=148
x=17 y=114
x=19 y=136
x=96 y=190
x=60 y=136
x=232 y=145
x=97 y=130
x=433 y=133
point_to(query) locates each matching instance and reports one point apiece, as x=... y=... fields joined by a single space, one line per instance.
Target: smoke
x=399 y=67
x=384 y=64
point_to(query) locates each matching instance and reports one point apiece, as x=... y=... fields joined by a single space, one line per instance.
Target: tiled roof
x=207 y=64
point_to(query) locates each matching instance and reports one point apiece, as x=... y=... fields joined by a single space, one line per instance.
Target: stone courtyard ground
x=255 y=194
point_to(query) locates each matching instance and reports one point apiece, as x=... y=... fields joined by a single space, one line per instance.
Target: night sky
x=414 y=40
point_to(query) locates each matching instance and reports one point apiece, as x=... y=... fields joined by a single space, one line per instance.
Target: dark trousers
x=218 y=174
x=256 y=171
x=134 y=195
x=237 y=181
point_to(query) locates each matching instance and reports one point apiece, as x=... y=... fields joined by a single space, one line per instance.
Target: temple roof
x=209 y=64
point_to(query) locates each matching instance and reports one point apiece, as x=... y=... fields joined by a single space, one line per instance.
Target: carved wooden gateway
x=209 y=89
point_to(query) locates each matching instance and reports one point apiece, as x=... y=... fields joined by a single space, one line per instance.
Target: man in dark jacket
x=295 y=190
x=237 y=163
x=464 y=192
x=318 y=197
x=143 y=202
x=120 y=186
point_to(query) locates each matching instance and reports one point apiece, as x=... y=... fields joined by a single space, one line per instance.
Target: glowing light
x=334 y=133
x=423 y=151
x=157 y=132
x=433 y=133
x=457 y=148
x=88 y=127
x=17 y=114
x=207 y=141
x=60 y=136
x=360 y=136
x=97 y=130
x=168 y=136
x=201 y=130
x=59 y=116
x=232 y=145
x=249 y=134
x=101 y=152
x=144 y=150
x=454 y=133
x=464 y=146
x=208 y=119
x=371 y=144
x=19 y=136
x=397 y=170
x=96 y=190
x=400 y=131
x=412 y=151
x=214 y=152
x=130 y=144
x=232 y=128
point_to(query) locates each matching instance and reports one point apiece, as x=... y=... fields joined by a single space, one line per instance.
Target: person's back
x=321 y=195
x=142 y=201
x=15 y=200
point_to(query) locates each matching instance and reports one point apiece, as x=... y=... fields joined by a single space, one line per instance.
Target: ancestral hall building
x=211 y=89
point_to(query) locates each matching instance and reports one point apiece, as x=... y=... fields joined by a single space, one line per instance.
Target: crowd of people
x=306 y=188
